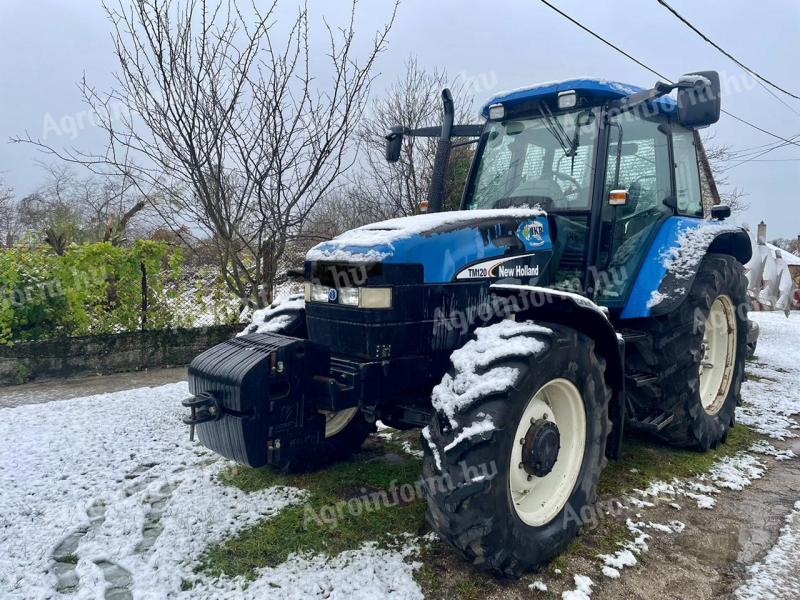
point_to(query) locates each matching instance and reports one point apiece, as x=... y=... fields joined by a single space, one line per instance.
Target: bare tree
x=67 y=208
x=227 y=125
x=339 y=211
x=109 y=205
x=719 y=158
x=790 y=245
x=9 y=225
x=388 y=190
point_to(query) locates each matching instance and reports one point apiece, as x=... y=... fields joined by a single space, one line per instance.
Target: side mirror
x=394 y=143
x=699 y=99
x=720 y=212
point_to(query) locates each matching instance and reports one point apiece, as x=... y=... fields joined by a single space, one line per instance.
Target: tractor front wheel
x=509 y=474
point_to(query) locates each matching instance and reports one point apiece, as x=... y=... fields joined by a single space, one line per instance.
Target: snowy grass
x=323 y=525
x=644 y=460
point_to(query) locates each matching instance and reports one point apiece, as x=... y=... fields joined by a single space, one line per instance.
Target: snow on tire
x=287 y=316
x=523 y=414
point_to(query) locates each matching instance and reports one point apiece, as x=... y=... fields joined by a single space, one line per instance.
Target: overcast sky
x=47 y=45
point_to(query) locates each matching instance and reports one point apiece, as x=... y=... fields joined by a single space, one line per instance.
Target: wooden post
x=144 y=296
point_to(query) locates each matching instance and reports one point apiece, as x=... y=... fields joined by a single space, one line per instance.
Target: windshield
x=545 y=160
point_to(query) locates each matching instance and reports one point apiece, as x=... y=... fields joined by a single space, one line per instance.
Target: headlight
x=375 y=298
x=365 y=297
x=348 y=296
x=319 y=293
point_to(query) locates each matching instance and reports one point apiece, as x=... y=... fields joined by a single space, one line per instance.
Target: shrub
x=91 y=289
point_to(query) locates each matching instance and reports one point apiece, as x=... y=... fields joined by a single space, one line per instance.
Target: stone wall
x=102 y=354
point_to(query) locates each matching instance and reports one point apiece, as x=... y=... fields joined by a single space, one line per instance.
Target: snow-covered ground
x=770 y=405
x=107 y=491
x=106 y=495
x=772 y=394
x=776 y=576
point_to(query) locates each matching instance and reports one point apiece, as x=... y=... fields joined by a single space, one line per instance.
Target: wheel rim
x=538 y=500
x=719 y=355
x=336 y=421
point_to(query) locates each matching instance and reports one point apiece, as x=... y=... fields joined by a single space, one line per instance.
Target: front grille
x=339 y=275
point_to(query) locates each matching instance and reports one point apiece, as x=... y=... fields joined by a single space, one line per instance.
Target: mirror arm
x=659 y=89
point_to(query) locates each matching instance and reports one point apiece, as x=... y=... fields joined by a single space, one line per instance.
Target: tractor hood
x=458 y=245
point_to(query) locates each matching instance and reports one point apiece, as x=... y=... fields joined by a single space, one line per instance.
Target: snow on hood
x=276 y=316
x=374 y=242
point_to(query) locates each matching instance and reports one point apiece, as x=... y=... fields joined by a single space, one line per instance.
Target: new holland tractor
x=578 y=291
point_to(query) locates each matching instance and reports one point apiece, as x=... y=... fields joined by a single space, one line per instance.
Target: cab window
x=545 y=159
x=687 y=176
x=638 y=163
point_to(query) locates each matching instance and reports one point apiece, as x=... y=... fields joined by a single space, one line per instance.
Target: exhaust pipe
x=443 y=147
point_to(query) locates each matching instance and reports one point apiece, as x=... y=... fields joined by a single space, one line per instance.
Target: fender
x=578 y=312
x=671 y=263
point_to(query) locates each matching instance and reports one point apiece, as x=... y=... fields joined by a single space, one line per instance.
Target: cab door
x=638 y=162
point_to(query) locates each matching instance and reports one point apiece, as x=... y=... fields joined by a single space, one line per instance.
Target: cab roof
x=597 y=90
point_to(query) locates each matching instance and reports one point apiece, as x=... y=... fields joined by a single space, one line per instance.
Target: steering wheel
x=642 y=178
x=569 y=178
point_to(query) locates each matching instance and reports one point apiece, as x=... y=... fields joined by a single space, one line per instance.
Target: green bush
x=91 y=289
x=33 y=304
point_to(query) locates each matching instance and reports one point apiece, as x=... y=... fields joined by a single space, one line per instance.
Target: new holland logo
x=518 y=267
x=532 y=232
x=518 y=271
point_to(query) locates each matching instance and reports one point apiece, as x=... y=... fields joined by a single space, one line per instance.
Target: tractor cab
x=608 y=163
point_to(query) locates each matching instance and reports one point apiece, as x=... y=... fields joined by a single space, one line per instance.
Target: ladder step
x=654 y=422
x=640 y=379
x=631 y=335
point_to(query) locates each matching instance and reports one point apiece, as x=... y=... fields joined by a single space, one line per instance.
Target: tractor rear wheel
x=697 y=354
x=510 y=473
x=345 y=430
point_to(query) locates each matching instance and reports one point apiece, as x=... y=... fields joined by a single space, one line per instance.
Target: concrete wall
x=102 y=354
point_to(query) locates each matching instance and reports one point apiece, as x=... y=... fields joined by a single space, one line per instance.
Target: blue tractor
x=579 y=290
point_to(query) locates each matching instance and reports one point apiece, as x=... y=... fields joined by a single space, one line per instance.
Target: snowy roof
x=788 y=257
x=599 y=89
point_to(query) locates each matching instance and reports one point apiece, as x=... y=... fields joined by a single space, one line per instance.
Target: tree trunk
x=268 y=268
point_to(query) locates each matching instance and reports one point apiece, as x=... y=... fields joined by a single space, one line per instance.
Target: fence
x=100 y=289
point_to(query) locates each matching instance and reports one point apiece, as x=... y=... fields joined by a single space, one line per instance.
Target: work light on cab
x=567 y=99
